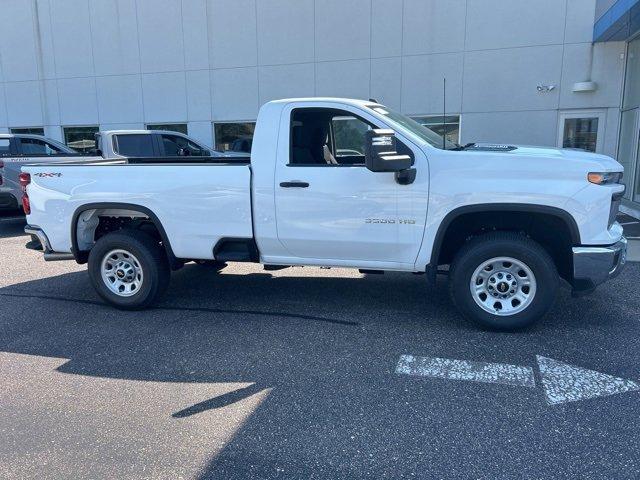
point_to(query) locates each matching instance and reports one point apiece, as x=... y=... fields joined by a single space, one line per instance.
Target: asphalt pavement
x=308 y=373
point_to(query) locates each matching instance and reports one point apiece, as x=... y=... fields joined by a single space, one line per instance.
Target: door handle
x=294 y=184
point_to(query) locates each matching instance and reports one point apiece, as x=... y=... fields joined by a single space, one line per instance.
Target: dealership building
x=542 y=72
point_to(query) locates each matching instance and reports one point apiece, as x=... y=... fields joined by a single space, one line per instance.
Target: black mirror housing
x=380 y=152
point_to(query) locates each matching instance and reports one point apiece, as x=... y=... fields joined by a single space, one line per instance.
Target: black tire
x=503 y=244
x=153 y=262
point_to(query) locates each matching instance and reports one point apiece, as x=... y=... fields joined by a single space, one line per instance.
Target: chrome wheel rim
x=503 y=286
x=122 y=273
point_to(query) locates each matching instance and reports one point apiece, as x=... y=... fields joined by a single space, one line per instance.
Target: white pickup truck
x=344 y=183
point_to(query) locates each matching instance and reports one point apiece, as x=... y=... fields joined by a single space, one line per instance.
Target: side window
x=176 y=146
x=171 y=144
x=135 y=145
x=324 y=136
x=33 y=146
x=5 y=150
x=349 y=136
x=196 y=150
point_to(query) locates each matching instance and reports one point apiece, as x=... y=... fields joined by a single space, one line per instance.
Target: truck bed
x=198 y=202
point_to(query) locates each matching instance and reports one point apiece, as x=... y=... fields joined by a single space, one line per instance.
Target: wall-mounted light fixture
x=580 y=87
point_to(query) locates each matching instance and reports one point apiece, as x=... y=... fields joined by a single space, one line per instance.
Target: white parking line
x=465 y=370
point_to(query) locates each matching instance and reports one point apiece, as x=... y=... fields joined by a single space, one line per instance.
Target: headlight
x=604 y=178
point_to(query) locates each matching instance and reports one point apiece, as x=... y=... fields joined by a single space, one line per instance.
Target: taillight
x=26 y=206
x=25 y=179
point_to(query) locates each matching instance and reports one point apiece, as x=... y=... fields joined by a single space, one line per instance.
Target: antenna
x=444 y=113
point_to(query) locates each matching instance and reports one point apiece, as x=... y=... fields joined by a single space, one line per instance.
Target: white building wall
x=124 y=63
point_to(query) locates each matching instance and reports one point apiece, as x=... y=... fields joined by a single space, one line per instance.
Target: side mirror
x=184 y=152
x=380 y=152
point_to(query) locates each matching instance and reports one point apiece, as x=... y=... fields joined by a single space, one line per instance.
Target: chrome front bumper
x=595 y=265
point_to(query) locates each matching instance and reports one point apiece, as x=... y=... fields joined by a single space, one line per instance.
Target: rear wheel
x=503 y=281
x=129 y=269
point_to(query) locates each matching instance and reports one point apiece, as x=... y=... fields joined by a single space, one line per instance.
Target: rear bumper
x=39 y=241
x=593 y=266
x=8 y=201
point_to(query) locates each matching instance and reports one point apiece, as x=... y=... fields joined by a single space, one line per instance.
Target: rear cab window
x=134 y=145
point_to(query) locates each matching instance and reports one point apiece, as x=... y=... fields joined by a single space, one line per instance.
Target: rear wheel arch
x=126 y=210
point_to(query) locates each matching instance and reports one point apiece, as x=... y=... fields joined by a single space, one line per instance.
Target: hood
x=595 y=161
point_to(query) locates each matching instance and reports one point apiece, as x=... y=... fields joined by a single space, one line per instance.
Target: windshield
x=429 y=136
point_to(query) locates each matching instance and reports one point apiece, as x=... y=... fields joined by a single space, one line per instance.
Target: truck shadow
x=12 y=227
x=326 y=348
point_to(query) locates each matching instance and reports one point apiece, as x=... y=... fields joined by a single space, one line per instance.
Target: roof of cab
x=348 y=101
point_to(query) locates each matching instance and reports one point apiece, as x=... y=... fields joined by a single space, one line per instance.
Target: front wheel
x=503 y=281
x=129 y=269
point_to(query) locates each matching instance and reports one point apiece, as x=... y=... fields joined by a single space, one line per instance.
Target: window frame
x=600 y=114
x=332 y=138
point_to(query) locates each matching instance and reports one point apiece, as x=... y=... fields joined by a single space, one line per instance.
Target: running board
x=56 y=257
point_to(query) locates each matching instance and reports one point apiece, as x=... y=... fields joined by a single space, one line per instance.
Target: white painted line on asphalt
x=465 y=370
x=565 y=383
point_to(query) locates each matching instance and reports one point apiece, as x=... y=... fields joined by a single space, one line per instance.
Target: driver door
x=329 y=206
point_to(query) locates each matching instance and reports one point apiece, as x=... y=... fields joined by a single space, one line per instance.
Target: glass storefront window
x=629 y=141
x=632 y=79
x=234 y=137
x=580 y=133
x=172 y=127
x=28 y=131
x=81 y=139
x=627 y=147
x=448 y=125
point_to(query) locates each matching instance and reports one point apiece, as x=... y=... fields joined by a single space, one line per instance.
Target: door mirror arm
x=406 y=177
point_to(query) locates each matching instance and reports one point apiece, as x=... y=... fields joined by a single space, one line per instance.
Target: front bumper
x=595 y=265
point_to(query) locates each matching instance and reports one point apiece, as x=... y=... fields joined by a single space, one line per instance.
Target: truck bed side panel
x=196 y=204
